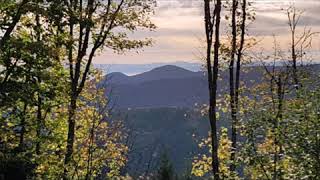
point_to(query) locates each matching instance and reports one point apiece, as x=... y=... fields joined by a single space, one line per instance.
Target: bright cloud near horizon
x=181 y=27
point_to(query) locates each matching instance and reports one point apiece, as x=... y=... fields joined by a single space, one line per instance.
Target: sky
x=180 y=31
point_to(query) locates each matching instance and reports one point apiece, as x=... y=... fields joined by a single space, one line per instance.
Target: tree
x=299 y=44
x=92 y=26
x=212 y=27
x=231 y=83
x=33 y=77
x=165 y=171
x=32 y=80
x=234 y=71
x=276 y=116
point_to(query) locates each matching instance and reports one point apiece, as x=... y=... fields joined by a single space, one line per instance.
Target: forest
x=57 y=120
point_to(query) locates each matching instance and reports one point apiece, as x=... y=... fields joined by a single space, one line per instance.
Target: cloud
x=180 y=26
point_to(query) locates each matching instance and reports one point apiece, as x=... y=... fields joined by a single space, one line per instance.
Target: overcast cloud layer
x=180 y=30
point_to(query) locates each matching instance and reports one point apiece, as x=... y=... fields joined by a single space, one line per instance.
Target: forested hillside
x=252 y=111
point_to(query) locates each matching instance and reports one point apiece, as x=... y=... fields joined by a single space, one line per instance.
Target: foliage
x=278 y=117
x=55 y=121
x=202 y=164
x=98 y=140
x=165 y=171
x=37 y=39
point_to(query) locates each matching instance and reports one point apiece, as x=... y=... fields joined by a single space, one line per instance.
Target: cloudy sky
x=180 y=30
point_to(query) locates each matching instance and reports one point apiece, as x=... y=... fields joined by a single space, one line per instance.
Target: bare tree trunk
x=39 y=123
x=232 y=86
x=280 y=96
x=72 y=104
x=293 y=53
x=215 y=141
x=240 y=50
x=275 y=129
x=235 y=108
x=39 y=103
x=293 y=22
x=90 y=148
x=23 y=127
x=210 y=19
x=23 y=117
x=71 y=133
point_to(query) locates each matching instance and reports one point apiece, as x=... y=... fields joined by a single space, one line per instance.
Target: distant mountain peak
x=158 y=73
x=116 y=77
x=170 y=68
x=166 y=72
x=119 y=74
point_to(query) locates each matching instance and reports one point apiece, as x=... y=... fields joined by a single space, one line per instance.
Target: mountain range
x=133 y=69
x=158 y=107
x=167 y=86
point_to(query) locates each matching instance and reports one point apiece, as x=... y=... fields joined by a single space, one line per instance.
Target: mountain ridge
x=173 y=86
x=166 y=86
x=163 y=72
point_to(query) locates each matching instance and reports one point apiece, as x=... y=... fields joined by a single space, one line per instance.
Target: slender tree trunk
x=213 y=122
x=240 y=51
x=279 y=116
x=236 y=91
x=72 y=105
x=23 y=117
x=39 y=104
x=277 y=88
x=293 y=22
x=294 y=55
x=23 y=127
x=232 y=87
x=71 y=133
x=39 y=123
x=209 y=25
x=90 y=150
